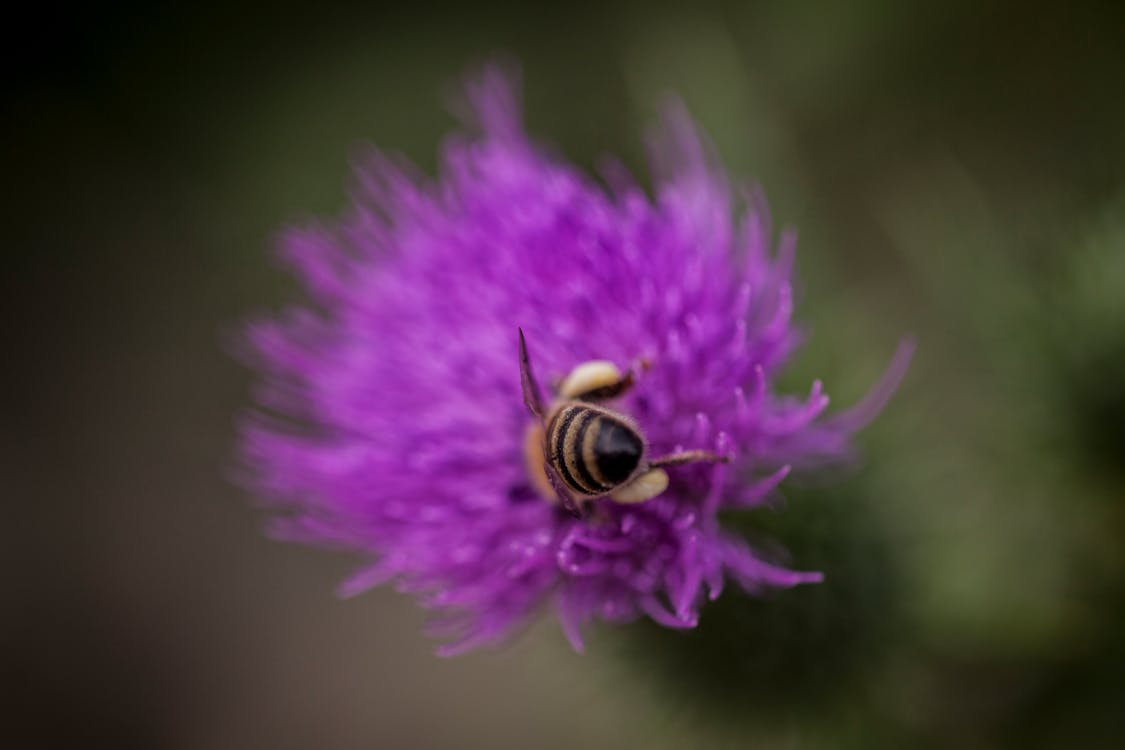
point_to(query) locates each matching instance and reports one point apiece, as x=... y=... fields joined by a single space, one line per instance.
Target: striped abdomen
x=593 y=450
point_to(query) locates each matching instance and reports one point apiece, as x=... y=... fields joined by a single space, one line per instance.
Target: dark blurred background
x=956 y=171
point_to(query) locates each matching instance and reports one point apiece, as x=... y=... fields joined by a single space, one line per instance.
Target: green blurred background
x=956 y=171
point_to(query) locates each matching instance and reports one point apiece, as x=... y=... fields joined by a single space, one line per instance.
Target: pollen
x=534 y=460
x=590 y=376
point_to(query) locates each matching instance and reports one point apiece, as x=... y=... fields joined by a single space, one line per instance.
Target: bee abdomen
x=617 y=451
x=591 y=451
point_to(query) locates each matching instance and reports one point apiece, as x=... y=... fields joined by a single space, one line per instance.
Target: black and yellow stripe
x=591 y=449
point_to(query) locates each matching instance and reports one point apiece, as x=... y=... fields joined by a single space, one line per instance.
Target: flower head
x=392 y=420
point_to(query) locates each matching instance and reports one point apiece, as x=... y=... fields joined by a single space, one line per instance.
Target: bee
x=579 y=449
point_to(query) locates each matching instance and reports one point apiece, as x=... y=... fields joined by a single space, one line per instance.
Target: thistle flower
x=392 y=422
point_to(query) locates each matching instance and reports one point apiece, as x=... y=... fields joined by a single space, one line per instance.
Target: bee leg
x=531 y=398
x=644 y=487
x=568 y=502
x=689 y=457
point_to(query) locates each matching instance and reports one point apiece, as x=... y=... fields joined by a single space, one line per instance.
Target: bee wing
x=567 y=500
x=531 y=397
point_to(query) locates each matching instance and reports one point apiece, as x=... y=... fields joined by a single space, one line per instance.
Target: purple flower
x=391 y=418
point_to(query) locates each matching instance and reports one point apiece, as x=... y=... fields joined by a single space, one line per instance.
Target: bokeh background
x=956 y=171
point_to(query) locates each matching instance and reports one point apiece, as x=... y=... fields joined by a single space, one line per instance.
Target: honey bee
x=579 y=449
